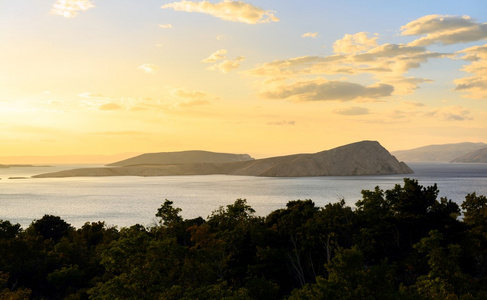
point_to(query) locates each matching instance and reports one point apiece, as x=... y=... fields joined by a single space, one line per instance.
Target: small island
x=361 y=158
x=21 y=166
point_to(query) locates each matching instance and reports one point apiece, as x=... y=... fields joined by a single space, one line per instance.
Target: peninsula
x=361 y=158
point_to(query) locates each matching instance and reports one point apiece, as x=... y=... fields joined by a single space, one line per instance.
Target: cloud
x=474 y=86
x=70 y=8
x=218 y=55
x=109 y=106
x=127 y=132
x=352 y=111
x=353 y=43
x=227 y=65
x=194 y=95
x=183 y=98
x=280 y=123
x=324 y=90
x=387 y=63
x=310 y=35
x=149 y=68
x=394 y=59
x=235 y=11
x=91 y=95
x=410 y=104
x=303 y=65
x=451 y=113
x=445 y=30
x=404 y=85
x=165 y=26
x=390 y=50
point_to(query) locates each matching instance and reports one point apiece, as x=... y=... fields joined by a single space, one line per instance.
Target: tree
x=9 y=230
x=475 y=217
x=168 y=214
x=445 y=279
x=51 y=227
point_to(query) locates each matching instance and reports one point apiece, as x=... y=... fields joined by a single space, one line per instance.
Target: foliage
x=402 y=243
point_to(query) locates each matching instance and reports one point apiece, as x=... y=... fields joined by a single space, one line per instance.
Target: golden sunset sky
x=263 y=77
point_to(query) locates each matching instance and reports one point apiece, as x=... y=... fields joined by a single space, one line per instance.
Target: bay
x=125 y=201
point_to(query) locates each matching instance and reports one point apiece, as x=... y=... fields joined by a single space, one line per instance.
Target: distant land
x=438 y=153
x=479 y=156
x=19 y=166
x=64 y=159
x=181 y=157
x=361 y=158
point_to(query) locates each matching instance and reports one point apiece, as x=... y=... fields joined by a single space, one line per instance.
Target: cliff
x=362 y=158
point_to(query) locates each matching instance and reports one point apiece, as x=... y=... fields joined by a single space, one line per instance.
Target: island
x=438 y=153
x=479 y=156
x=361 y=158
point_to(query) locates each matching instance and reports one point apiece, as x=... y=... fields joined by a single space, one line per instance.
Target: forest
x=402 y=243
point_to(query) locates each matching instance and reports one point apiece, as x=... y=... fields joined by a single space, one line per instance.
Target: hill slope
x=362 y=158
x=182 y=157
x=479 y=156
x=437 y=153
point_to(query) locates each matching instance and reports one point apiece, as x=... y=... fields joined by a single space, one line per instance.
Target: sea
x=128 y=200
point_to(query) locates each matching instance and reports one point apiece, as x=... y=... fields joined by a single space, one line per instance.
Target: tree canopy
x=402 y=243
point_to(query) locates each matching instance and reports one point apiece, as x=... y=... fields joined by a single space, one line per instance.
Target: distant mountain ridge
x=181 y=157
x=479 y=156
x=438 y=153
x=361 y=158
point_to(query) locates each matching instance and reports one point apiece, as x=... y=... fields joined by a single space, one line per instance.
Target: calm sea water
x=125 y=201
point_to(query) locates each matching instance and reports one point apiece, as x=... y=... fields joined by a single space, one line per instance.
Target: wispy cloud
x=165 y=25
x=353 y=43
x=90 y=95
x=474 y=86
x=324 y=90
x=445 y=30
x=227 y=65
x=122 y=133
x=99 y=102
x=281 y=123
x=218 y=55
x=184 y=98
x=236 y=11
x=450 y=113
x=149 y=68
x=109 y=106
x=352 y=111
x=71 y=8
x=310 y=35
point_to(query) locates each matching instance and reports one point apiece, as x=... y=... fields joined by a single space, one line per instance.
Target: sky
x=263 y=77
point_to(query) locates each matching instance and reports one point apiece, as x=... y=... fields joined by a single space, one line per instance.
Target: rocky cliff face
x=362 y=158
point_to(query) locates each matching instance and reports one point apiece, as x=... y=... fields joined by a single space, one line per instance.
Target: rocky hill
x=362 y=158
x=437 y=153
x=182 y=157
x=479 y=156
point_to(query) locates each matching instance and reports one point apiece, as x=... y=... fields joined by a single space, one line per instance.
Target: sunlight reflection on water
x=125 y=201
